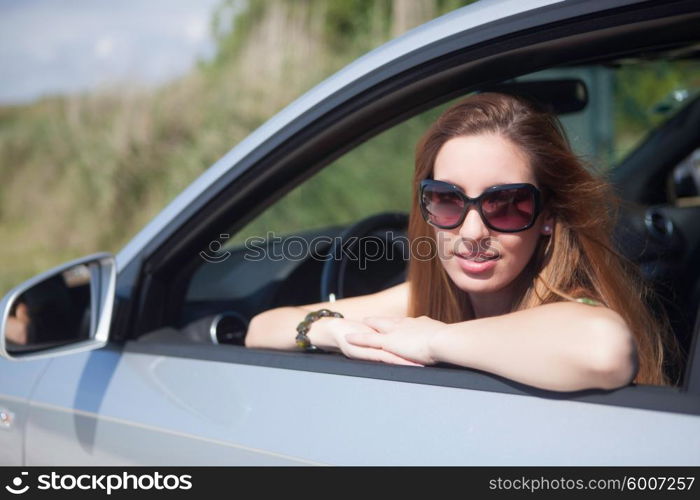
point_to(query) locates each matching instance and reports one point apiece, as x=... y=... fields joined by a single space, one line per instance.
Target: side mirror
x=65 y=310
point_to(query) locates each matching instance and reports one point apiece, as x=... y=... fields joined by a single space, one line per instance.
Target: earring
x=547 y=229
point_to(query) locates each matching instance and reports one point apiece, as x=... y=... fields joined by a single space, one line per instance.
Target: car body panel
x=141 y=409
x=17 y=381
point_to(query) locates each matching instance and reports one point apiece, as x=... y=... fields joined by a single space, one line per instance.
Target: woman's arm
x=276 y=328
x=563 y=346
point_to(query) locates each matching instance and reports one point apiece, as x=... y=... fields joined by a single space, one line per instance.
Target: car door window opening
x=284 y=280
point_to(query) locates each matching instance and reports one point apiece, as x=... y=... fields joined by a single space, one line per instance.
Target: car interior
x=648 y=150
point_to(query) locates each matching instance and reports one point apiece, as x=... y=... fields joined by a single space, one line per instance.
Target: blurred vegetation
x=83 y=173
x=646 y=94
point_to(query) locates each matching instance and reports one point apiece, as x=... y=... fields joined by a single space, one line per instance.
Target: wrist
x=436 y=344
x=446 y=340
x=321 y=335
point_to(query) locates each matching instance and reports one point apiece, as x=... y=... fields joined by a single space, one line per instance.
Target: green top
x=590 y=302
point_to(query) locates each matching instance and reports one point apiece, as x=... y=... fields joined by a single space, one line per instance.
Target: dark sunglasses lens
x=442 y=205
x=509 y=209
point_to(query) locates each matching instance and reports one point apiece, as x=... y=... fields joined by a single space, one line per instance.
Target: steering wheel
x=385 y=232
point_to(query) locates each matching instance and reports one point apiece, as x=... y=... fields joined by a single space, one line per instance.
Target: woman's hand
x=407 y=338
x=16 y=331
x=16 y=328
x=332 y=334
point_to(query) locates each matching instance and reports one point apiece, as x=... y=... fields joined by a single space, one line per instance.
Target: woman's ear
x=548 y=225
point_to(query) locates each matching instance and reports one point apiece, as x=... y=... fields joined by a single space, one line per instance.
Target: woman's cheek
x=516 y=255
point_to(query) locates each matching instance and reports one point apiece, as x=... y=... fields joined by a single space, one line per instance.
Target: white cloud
x=63 y=46
x=196 y=30
x=104 y=47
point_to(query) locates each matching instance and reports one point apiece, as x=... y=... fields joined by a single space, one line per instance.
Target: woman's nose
x=473 y=226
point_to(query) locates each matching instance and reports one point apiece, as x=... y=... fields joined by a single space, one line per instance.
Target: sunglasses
x=507 y=208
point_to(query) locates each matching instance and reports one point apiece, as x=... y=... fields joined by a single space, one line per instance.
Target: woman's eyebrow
x=448 y=181
x=490 y=185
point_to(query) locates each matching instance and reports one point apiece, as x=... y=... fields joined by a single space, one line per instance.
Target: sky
x=65 y=46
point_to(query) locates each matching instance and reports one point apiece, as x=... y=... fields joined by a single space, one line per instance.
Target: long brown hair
x=577 y=260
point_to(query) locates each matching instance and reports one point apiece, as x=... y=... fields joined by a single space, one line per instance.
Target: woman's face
x=475 y=163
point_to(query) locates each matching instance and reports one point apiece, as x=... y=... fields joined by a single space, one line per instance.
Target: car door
x=175 y=401
x=16 y=382
x=167 y=409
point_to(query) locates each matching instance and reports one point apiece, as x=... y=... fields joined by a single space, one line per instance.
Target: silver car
x=141 y=360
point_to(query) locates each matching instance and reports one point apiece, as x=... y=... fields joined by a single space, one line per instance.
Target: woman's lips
x=478 y=263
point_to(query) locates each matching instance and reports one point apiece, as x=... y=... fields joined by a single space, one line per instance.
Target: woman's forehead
x=477 y=162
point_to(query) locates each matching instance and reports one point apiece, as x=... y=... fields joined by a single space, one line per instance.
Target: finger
x=372 y=354
x=362 y=339
x=381 y=323
x=391 y=358
x=375 y=342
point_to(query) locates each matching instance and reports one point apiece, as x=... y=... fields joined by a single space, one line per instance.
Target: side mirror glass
x=64 y=310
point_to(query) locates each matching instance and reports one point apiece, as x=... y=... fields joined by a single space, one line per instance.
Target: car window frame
x=144 y=287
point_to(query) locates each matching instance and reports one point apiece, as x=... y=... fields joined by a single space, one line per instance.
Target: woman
x=521 y=279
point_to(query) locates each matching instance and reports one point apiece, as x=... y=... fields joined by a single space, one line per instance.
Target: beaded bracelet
x=302 y=340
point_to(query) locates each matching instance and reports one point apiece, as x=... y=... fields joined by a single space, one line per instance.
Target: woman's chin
x=480 y=284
